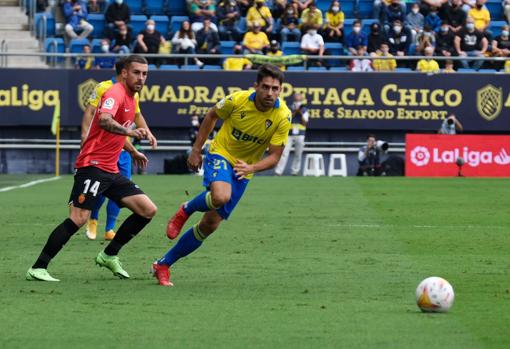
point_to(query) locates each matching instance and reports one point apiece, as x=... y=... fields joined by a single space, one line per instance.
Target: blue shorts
x=217 y=168
x=124 y=164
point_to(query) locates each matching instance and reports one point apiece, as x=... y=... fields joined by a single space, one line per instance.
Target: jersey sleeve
x=137 y=103
x=225 y=107
x=110 y=102
x=281 y=135
x=95 y=96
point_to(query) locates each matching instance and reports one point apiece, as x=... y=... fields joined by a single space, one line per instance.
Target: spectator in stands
x=445 y=41
x=105 y=62
x=361 y=64
x=506 y=11
x=274 y=51
x=149 y=40
x=467 y=5
x=261 y=14
x=122 y=41
x=300 y=115
x=428 y=65
x=392 y=13
x=501 y=45
x=228 y=17
x=433 y=20
x=481 y=16
x=255 y=40
x=208 y=41
x=93 y=7
x=399 y=39
x=425 y=39
x=448 y=67
x=237 y=62
x=85 y=62
x=311 y=17
x=369 y=158
x=302 y=5
x=117 y=15
x=40 y=6
x=425 y=5
x=199 y=10
x=290 y=23
x=375 y=38
x=244 y=6
x=356 y=38
x=312 y=43
x=450 y=126
x=76 y=14
x=334 y=27
x=384 y=64
x=415 y=20
x=184 y=42
x=469 y=42
x=455 y=15
x=507 y=66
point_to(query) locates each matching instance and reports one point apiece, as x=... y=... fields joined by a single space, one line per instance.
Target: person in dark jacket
x=117 y=14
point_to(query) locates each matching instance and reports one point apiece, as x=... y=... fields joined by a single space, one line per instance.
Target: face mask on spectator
x=356 y=29
x=119 y=2
x=237 y=51
x=335 y=8
x=312 y=32
x=470 y=26
x=505 y=33
x=105 y=48
x=415 y=10
x=444 y=29
x=433 y=14
x=290 y=12
x=150 y=27
x=397 y=29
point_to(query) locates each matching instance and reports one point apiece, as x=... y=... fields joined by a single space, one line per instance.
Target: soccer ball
x=434 y=294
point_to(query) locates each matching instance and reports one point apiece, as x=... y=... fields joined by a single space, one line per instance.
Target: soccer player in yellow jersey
x=125 y=161
x=253 y=121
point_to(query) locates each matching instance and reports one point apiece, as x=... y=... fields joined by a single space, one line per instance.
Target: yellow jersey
x=384 y=64
x=235 y=63
x=259 y=15
x=246 y=131
x=255 y=41
x=334 y=19
x=507 y=67
x=101 y=88
x=427 y=66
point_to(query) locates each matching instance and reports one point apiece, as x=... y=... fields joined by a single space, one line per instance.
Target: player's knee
x=220 y=199
x=208 y=226
x=80 y=218
x=150 y=211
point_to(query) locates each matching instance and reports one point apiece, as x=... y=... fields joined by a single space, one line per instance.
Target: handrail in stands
x=4 y=47
x=42 y=29
x=31 y=16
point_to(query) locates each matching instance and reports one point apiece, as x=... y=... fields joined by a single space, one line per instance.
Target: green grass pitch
x=302 y=263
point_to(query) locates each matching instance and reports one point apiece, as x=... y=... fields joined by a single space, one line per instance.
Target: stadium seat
x=168 y=67
x=335 y=49
x=488 y=71
x=50 y=24
x=136 y=6
x=295 y=68
x=323 y=5
x=291 y=48
x=337 y=171
x=176 y=8
x=227 y=47
x=404 y=70
x=161 y=24
x=190 y=67
x=56 y=45
x=466 y=70
x=317 y=69
x=76 y=45
x=175 y=22
x=212 y=67
x=98 y=21
x=495 y=28
x=344 y=69
x=314 y=165
x=366 y=8
x=496 y=9
x=138 y=23
x=155 y=7
x=96 y=45
x=242 y=24
x=153 y=67
x=347 y=8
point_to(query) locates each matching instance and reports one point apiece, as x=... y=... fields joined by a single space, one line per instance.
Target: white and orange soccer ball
x=434 y=294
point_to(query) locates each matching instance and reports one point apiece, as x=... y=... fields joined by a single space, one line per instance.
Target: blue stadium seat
x=97 y=20
x=496 y=9
x=366 y=8
x=212 y=67
x=291 y=48
x=295 y=68
x=335 y=49
x=152 y=67
x=488 y=71
x=175 y=22
x=56 y=45
x=348 y=8
x=177 y=8
x=227 y=47
x=137 y=22
x=495 y=27
x=96 y=45
x=50 y=24
x=338 y=69
x=76 y=45
x=317 y=69
x=136 y=6
x=168 y=67
x=161 y=24
x=404 y=70
x=242 y=24
x=155 y=7
x=190 y=67
x=323 y=5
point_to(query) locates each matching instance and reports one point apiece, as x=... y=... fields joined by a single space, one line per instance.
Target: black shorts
x=91 y=182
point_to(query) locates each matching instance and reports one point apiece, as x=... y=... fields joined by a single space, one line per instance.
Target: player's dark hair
x=134 y=59
x=119 y=65
x=270 y=70
x=370 y=135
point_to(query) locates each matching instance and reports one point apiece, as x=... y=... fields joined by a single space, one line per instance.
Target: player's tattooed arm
x=107 y=123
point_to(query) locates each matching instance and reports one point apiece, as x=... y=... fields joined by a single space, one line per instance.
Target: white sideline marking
x=29 y=184
x=417 y=226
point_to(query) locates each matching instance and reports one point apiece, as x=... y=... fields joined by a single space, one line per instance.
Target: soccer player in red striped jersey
x=97 y=174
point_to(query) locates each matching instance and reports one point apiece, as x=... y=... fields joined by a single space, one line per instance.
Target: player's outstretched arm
x=141 y=123
x=207 y=126
x=107 y=123
x=242 y=169
x=88 y=115
x=139 y=158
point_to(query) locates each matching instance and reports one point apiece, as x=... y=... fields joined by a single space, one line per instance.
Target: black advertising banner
x=407 y=101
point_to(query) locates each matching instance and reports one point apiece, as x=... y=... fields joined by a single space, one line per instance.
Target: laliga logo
x=420 y=156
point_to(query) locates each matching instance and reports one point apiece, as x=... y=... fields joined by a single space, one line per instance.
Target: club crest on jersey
x=220 y=104
x=243 y=114
x=109 y=103
x=268 y=123
x=81 y=198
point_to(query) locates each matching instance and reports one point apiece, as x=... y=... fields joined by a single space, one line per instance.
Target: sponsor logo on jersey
x=109 y=103
x=245 y=137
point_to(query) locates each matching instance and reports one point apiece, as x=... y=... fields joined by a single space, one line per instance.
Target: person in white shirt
x=363 y=64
